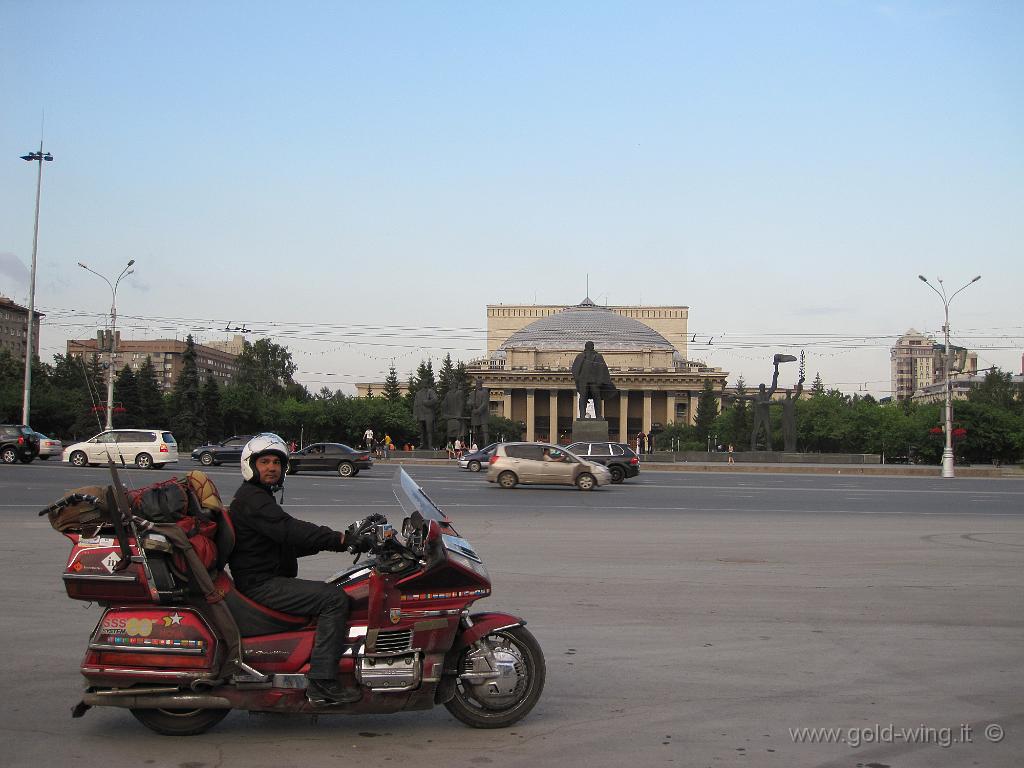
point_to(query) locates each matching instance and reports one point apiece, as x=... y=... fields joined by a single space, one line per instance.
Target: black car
x=18 y=443
x=334 y=457
x=620 y=459
x=217 y=453
x=477 y=459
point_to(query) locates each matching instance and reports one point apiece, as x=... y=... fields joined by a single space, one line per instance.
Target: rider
x=264 y=562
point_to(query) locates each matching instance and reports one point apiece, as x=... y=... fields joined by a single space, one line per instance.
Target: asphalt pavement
x=687 y=619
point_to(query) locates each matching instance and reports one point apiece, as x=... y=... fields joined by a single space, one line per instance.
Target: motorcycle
x=171 y=656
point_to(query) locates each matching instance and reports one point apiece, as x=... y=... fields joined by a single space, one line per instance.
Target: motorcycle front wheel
x=477 y=706
x=180 y=722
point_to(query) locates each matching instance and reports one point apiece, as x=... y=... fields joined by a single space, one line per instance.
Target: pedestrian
x=368 y=438
x=458 y=448
x=293 y=446
x=450 y=449
x=388 y=446
x=731 y=459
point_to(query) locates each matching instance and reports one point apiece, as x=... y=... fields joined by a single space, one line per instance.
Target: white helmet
x=261 y=445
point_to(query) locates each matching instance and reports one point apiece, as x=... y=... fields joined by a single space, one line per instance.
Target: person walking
x=731 y=459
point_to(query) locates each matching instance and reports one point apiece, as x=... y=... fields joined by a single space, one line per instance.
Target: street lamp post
x=947 y=452
x=113 y=334
x=38 y=157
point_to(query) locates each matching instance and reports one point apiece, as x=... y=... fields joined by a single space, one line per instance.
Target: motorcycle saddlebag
x=90 y=575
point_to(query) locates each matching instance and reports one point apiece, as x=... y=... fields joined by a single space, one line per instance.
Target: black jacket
x=269 y=541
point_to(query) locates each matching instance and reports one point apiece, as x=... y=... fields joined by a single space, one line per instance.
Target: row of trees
x=988 y=426
x=68 y=399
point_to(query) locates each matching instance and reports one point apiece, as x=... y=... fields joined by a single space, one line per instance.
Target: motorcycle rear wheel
x=476 y=713
x=180 y=722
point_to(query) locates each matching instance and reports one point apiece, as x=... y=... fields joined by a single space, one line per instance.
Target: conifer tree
x=392 y=391
x=188 y=423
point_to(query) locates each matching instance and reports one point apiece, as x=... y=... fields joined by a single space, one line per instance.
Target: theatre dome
x=571 y=328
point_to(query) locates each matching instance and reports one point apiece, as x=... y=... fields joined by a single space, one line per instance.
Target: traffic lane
x=703 y=637
x=33 y=486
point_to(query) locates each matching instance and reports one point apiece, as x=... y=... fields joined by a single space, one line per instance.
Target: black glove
x=357 y=536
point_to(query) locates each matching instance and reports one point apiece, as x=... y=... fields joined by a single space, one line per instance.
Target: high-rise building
x=14 y=329
x=166 y=356
x=917 y=362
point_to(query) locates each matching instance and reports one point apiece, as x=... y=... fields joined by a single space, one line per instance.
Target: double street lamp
x=37 y=157
x=947 y=452
x=112 y=343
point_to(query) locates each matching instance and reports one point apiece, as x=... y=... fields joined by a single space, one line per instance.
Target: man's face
x=269 y=468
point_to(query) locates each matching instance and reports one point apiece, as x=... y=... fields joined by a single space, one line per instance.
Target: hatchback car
x=145 y=448
x=542 y=464
x=18 y=443
x=49 y=447
x=620 y=459
x=335 y=457
x=229 y=450
x=476 y=460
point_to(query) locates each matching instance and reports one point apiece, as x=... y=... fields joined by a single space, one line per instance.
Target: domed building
x=530 y=350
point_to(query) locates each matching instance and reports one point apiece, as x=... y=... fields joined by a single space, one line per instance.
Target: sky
x=357 y=181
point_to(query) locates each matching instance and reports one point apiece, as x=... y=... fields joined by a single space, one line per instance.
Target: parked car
x=49 y=447
x=621 y=460
x=477 y=459
x=18 y=443
x=335 y=457
x=539 y=463
x=229 y=450
x=145 y=448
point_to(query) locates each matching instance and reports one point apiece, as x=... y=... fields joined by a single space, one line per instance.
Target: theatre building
x=530 y=350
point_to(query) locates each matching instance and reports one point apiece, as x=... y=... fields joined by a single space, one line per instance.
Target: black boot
x=325 y=692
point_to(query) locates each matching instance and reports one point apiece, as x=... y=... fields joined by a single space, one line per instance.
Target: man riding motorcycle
x=264 y=562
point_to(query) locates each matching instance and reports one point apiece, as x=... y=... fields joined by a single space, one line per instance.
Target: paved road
x=687 y=620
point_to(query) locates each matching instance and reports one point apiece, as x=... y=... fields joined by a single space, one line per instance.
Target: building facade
x=530 y=350
x=14 y=329
x=166 y=356
x=918 y=362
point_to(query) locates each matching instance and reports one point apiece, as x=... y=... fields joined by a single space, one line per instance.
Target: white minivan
x=145 y=448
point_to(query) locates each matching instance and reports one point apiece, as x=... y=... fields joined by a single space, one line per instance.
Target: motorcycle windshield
x=413 y=499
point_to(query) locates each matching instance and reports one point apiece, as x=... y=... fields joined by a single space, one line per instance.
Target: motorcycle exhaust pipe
x=157 y=701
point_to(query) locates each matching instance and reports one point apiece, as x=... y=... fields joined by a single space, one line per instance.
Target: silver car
x=542 y=464
x=49 y=447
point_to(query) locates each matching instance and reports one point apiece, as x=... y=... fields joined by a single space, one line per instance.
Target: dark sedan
x=620 y=459
x=229 y=450
x=332 y=457
x=473 y=461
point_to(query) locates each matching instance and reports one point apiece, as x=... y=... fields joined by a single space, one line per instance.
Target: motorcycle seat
x=252 y=618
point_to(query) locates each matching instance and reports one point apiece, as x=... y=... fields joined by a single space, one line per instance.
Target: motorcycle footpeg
x=80 y=709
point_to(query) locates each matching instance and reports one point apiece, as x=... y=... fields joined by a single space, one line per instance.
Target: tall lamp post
x=947 y=452
x=113 y=334
x=38 y=157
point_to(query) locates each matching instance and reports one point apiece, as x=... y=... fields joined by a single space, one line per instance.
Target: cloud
x=12 y=270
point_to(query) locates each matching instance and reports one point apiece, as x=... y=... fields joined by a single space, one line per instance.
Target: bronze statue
x=451 y=411
x=762 y=400
x=480 y=412
x=593 y=381
x=789 y=417
x=423 y=412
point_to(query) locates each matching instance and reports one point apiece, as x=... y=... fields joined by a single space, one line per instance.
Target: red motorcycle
x=171 y=656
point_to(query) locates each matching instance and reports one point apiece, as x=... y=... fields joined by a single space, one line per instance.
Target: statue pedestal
x=590 y=430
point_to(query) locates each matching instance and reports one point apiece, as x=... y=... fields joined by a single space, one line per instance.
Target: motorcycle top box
x=179 y=647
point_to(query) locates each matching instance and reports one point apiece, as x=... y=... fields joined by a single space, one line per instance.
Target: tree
x=150 y=398
x=737 y=427
x=210 y=398
x=817 y=387
x=266 y=367
x=188 y=422
x=998 y=390
x=392 y=391
x=126 y=393
x=707 y=409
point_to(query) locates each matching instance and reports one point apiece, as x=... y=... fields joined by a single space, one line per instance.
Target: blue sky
x=785 y=169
